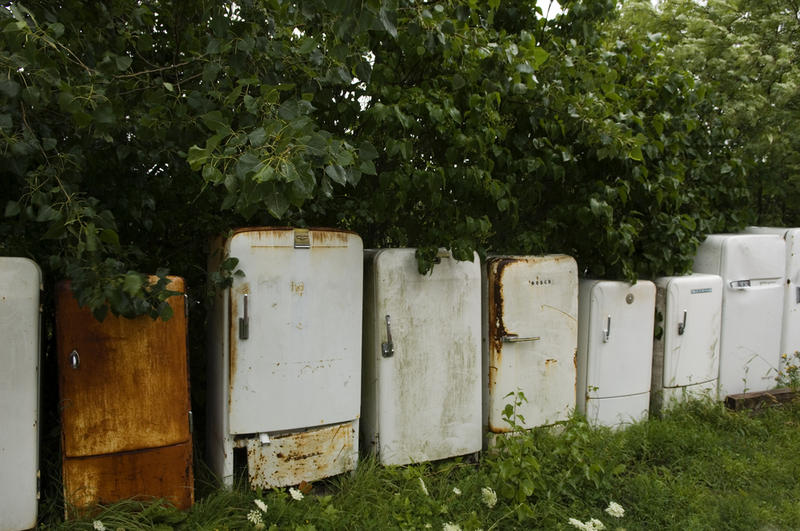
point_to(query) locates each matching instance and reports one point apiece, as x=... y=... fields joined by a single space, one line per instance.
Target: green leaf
x=336 y=173
x=123 y=62
x=636 y=154
x=132 y=283
x=12 y=209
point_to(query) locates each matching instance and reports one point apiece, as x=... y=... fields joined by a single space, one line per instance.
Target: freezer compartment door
x=20 y=281
x=691 y=329
x=532 y=337
x=620 y=338
x=123 y=383
x=427 y=385
x=295 y=329
x=617 y=411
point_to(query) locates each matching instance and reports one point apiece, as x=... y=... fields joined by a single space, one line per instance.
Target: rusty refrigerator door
x=125 y=410
x=422 y=358
x=20 y=282
x=530 y=338
x=285 y=356
x=615 y=350
x=686 y=341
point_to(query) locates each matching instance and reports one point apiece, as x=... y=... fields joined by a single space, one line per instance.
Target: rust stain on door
x=299 y=456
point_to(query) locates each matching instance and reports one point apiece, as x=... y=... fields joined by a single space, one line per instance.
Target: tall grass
x=698 y=467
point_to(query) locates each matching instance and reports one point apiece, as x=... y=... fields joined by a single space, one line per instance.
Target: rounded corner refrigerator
x=752 y=267
x=615 y=349
x=126 y=428
x=284 y=366
x=20 y=325
x=790 y=333
x=421 y=390
x=686 y=340
x=530 y=339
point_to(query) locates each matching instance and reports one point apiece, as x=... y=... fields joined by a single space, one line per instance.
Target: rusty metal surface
x=155 y=473
x=131 y=390
x=532 y=300
x=307 y=455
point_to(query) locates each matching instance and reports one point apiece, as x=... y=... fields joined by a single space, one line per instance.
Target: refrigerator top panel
x=792 y=238
x=20 y=282
x=620 y=341
x=532 y=337
x=429 y=377
x=691 y=328
x=757 y=258
x=295 y=329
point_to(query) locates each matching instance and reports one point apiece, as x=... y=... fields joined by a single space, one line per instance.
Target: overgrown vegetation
x=698 y=467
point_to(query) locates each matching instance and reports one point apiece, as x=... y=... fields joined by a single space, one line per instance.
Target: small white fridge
x=284 y=368
x=530 y=338
x=752 y=267
x=615 y=350
x=421 y=398
x=790 y=334
x=20 y=285
x=686 y=340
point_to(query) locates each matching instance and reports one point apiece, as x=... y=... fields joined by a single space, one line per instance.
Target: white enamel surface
x=751 y=315
x=617 y=411
x=20 y=281
x=675 y=395
x=692 y=357
x=621 y=365
x=424 y=402
x=301 y=364
x=539 y=299
x=790 y=336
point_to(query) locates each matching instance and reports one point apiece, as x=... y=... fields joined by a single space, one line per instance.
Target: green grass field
x=699 y=467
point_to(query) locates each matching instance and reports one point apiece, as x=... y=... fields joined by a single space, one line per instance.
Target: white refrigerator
x=790 y=335
x=20 y=285
x=421 y=397
x=615 y=350
x=530 y=338
x=752 y=267
x=686 y=340
x=284 y=371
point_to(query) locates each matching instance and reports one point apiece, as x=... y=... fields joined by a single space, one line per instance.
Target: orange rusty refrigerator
x=125 y=406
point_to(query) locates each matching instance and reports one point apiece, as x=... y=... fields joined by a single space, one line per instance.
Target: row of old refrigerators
x=320 y=347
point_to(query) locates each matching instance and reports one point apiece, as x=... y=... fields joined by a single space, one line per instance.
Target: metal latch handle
x=798 y=295
x=74 y=359
x=514 y=338
x=607 y=331
x=387 y=347
x=244 y=321
x=682 y=326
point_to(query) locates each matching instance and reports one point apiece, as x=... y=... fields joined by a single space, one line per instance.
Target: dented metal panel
x=752 y=267
x=306 y=455
x=285 y=355
x=20 y=282
x=615 y=349
x=531 y=338
x=423 y=402
x=124 y=398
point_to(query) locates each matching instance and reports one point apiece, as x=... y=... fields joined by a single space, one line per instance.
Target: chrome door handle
x=682 y=326
x=244 y=321
x=607 y=331
x=514 y=338
x=387 y=347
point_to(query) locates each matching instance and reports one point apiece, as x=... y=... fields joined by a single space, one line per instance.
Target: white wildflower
x=574 y=522
x=254 y=517
x=428 y=526
x=450 y=526
x=456 y=491
x=595 y=525
x=261 y=505
x=98 y=525
x=296 y=494
x=488 y=496
x=423 y=487
x=614 y=509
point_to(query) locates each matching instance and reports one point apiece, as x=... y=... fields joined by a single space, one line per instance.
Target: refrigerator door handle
x=797 y=296
x=607 y=331
x=74 y=359
x=682 y=326
x=244 y=321
x=387 y=347
x=514 y=338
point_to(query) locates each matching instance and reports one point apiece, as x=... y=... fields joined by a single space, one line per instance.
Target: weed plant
x=698 y=467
